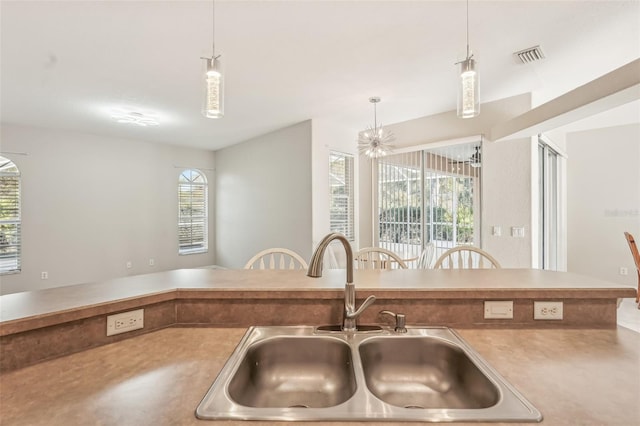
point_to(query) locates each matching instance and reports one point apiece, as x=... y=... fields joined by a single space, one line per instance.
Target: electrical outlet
x=624 y=271
x=44 y=275
x=129 y=264
x=152 y=262
x=126 y=321
x=547 y=310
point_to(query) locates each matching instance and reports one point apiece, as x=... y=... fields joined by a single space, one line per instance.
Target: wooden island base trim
x=29 y=347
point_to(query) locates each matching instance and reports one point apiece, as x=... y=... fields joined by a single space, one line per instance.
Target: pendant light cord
x=375 y=117
x=467 y=29
x=213 y=28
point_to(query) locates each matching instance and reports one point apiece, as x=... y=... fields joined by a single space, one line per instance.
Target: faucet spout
x=315 y=264
x=351 y=314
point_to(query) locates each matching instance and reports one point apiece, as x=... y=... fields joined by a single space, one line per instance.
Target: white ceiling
x=67 y=64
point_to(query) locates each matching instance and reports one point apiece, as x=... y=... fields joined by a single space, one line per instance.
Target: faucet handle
x=400 y=321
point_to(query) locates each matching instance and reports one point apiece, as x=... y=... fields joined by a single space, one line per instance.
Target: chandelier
x=376 y=141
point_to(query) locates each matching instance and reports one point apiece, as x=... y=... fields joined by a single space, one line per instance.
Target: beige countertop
x=574 y=377
x=412 y=283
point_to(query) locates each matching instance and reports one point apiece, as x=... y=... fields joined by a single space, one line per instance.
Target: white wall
x=507 y=200
x=603 y=185
x=264 y=189
x=329 y=136
x=507 y=173
x=91 y=203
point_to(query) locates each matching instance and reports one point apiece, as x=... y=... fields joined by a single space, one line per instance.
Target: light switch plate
x=517 y=231
x=498 y=309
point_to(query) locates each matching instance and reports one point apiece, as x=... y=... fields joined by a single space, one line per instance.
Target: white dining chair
x=466 y=257
x=426 y=257
x=276 y=258
x=378 y=258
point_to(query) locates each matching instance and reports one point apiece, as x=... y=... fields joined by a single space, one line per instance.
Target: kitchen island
x=41 y=325
x=574 y=377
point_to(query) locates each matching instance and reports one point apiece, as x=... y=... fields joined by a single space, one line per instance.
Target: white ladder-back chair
x=378 y=258
x=466 y=257
x=426 y=257
x=276 y=258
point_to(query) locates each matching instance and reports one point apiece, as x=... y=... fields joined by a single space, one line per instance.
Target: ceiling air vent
x=530 y=54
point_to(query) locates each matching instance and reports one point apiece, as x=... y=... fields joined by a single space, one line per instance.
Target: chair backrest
x=426 y=257
x=634 y=250
x=466 y=257
x=636 y=259
x=331 y=260
x=276 y=258
x=378 y=258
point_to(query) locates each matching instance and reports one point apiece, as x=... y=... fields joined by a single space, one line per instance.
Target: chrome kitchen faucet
x=351 y=314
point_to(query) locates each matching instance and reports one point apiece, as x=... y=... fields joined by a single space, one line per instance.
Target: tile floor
x=629 y=315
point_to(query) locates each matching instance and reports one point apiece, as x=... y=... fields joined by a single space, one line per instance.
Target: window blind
x=192 y=212
x=400 y=203
x=341 y=194
x=429 y=196
x=10 y=221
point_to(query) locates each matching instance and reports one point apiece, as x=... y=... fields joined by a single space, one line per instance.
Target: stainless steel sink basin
x=294 y=372
x=423 y=372
x=428 y=374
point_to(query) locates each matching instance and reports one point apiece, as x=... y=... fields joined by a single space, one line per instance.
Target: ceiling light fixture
x=469 y=84
x=213 y=106
x=133 y=117
x=376 y=141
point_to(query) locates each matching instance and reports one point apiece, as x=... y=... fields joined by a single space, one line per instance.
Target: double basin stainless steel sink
x=306 y=373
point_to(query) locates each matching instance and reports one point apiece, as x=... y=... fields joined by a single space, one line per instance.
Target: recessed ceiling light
x=134 y=117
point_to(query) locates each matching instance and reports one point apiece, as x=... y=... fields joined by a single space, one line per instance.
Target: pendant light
x=213 y=106
x=469 y=84
x=376 y=141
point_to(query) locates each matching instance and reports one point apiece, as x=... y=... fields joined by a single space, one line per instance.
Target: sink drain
x=299 y=406
x=414 y=406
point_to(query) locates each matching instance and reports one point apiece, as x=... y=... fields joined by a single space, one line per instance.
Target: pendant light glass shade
x=468 y=89
x=213 y=106
x=469 y=83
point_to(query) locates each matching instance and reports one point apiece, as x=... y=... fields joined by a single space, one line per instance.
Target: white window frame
x=10 y=194
x=342 y=195
x=193 y=183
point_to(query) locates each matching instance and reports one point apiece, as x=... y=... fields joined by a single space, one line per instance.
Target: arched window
x=10 y=235
x=192 y=212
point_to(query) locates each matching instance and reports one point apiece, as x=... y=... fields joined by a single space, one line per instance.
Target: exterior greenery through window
x=429 y=196
x=10 y=222
x=341 y=195
x=192 y=212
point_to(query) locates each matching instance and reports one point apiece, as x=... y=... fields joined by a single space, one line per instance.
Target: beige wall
x=264 y=194
x=603 y=185
x=92 y=203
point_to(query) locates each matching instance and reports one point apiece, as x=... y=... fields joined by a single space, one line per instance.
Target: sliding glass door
x=430 y=196
x=549 y=168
